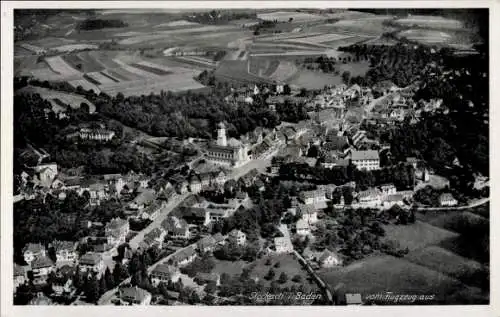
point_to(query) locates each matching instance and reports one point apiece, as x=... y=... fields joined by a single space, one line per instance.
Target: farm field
x=426 y=36
x=383 y=273
x=417 y=235
x=431 y=21
x=237 y=71
x=59 y=66
x=285 y=16
x=74 y=101
x=313 y=80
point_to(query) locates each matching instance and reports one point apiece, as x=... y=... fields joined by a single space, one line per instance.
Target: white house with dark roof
x=162 y=273
x=33 y=250
x=366 y=160
x=237 y=237
x=308 y=213
x=91 y=262
x=388 y=189
x=370 y=198
x=447 y=200
x=65 y=252
x=116 y=231
x=41 y=268
x=135 y=296
x=302 y=227
x=19 y=275
x=329 y=259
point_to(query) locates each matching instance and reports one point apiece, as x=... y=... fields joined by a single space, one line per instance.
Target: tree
x=268 y=262
x=283 y=278
x=277 y=264
x=286 y=89
x=297 y=278
x=110 y=281
x=119 y=273
x=211 y=287
x=103 y=287
x=270 y=274
x=346 y=76
x=91 y=289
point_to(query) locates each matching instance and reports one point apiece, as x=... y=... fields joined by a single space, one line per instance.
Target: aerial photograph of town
x=251 y=157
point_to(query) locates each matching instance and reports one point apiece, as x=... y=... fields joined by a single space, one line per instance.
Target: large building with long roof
x=231 y=153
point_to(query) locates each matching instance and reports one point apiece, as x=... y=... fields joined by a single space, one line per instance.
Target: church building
x=232 y=152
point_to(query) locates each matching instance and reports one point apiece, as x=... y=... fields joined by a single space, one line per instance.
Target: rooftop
x=364 y=155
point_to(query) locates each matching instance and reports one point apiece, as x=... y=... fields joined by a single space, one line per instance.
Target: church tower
x=221 y=135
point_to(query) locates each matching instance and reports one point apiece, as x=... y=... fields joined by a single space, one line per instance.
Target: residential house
x=19 y=275
x=163 y=273
x=157 y=236
x=176 y=228
x=63 y=287
x=135 y=296
x=237 y=237
x=308 y=213
x=102 y=135
x=196 y=216
x=219 y=238
x=447 y=200
x=220 y=178
x=91 y=262
x=205 y=278
x=413 y=161
x=329 y=259
x=33 y=250
x=308 y=254
x=206 y=244
x=41 y=268
x=152 y=211
x=116 y=231
x=144 y=198
x=115 y=183
x=302 y=227
x=183 y=257
x=47 y=173
x=367 y=160
x=283 y=245
x=65 y=252
x=195 y=184
x=182 y=186
x=313 y=196
x=388 y=189
x=391 y=200
x=370 y=198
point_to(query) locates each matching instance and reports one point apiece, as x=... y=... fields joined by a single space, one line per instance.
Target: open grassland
x=230 y=267
x=381 y=274
x=237 y=71
x=417 y=235
x=431 y=22
x=57 y=97
x=442 y=260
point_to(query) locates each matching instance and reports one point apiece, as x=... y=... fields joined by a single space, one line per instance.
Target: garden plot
x=59 y=66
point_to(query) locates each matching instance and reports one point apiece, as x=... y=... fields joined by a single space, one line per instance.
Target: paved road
x=473 y=204
x=134 y=242
x=260 y=164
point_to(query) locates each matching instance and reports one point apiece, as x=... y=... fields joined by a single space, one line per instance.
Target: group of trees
x=401 y=175
x=220 y=16
x=97 y=24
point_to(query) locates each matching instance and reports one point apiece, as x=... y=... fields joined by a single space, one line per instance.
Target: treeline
x=401 y=175
x=97 y=24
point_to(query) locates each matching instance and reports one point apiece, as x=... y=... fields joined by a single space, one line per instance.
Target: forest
x=97 y=24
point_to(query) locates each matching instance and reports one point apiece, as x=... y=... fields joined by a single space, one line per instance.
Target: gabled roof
x=41 y=262
x=34 y=247
x=90 y=258
x=64 y=245
x=364 y=155
x=135 y=293
x=165 y=269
